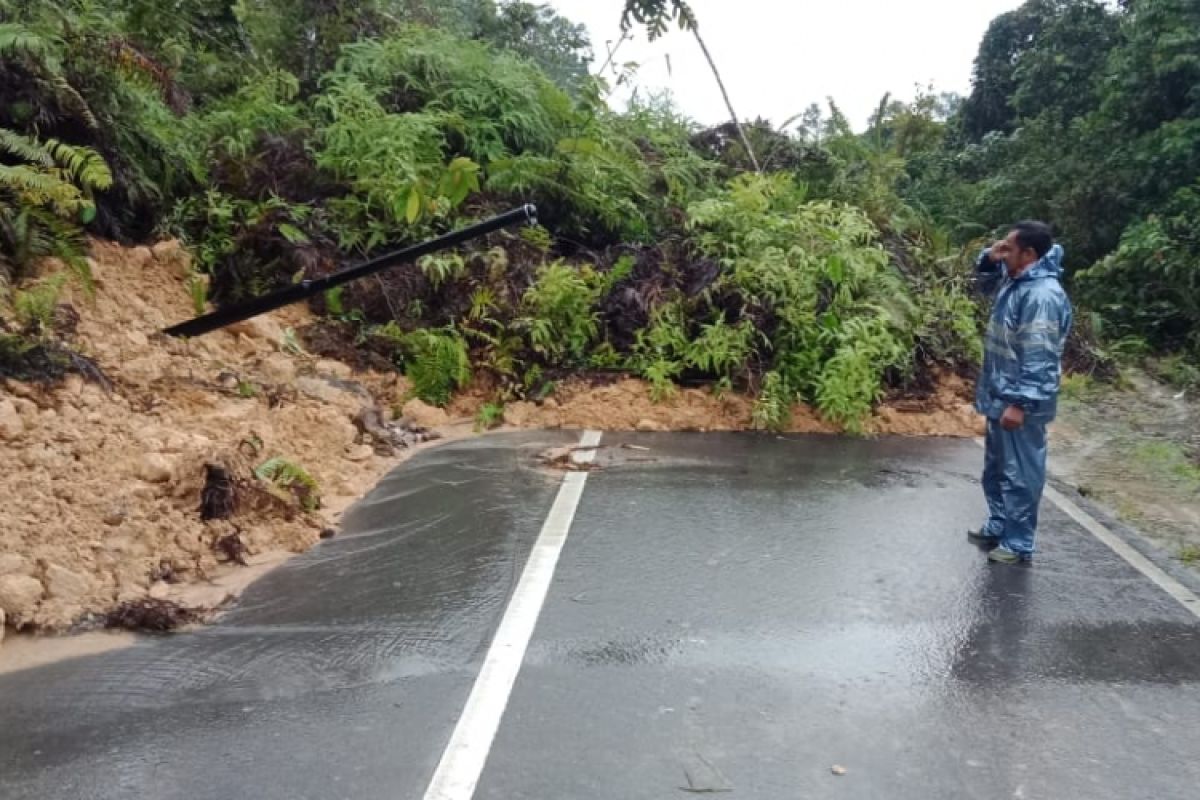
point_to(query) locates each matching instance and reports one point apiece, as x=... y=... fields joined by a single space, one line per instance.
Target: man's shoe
x=981 y=537
x=1002 y=555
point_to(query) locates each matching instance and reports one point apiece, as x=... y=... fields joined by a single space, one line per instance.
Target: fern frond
x=24 y=148
x=27 y=180
x=17 y=40
x=85 y=165
x=289 y=476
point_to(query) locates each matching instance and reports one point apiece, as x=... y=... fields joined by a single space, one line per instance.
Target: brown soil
x=627 y=405
x=103 y=487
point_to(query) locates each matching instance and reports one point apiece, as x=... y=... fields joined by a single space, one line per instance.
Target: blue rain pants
x=1014 y=474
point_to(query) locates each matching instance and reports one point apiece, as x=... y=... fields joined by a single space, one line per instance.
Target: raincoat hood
x=1048 y=266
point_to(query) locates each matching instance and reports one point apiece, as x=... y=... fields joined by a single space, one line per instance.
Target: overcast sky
x=777 y=56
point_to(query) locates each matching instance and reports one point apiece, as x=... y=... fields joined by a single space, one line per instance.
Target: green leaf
x=413 y=211
x=293 y=234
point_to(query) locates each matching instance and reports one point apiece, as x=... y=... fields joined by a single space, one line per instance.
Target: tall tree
x=656 y=16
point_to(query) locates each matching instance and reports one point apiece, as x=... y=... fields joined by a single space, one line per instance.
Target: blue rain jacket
x=1025 y=338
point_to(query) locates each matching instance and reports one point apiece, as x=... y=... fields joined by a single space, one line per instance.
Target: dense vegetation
x=284 y=139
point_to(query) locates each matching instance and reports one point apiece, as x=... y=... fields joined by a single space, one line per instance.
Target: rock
x=170 y=253
x=166 y=249
x=140 y=257
x=159 y=590
x=115 y=515
x=19 y=597
x=67 y=586
x=13 y=564
x=154 y=468
x=95 y=270
x=11 y=423
x=337 y=369
x=421 y=413
x=321 y=390
x=359 y=452
x=277 y=368
x=262 y=329
x=19 y=389
x=648 y=425
x=91 y=397
x=26 y=408
x=136 y=338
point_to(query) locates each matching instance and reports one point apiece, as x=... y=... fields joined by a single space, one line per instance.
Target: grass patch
x=1169 y=460
x=1079 y=387
x=1189 y=554
x=490 y=416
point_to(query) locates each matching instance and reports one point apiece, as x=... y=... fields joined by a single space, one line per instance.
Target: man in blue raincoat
x=1018 y=387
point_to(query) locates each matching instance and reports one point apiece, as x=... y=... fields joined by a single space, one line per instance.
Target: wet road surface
x=731 y=614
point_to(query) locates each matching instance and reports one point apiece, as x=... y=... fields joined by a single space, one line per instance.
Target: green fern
x=490 y=415
x=17 y=41
x=24 y=148
x=34 y=307
x=436 y=364
x=287 y=476
x=561 y=320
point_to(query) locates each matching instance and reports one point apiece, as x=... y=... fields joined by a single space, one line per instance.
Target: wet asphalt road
x=730 y=614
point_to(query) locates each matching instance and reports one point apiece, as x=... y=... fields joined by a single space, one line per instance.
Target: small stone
x=19 y=389
x=425 y=415
x=838 y=769
x=359 y=453
x=328 y=533
x=140 y=257
x=277 y=368
x=648 y=425
x=72 y=385
x=115 y=516
x=159 y=590
x=13 y=564
x=321 y=390
x=63 y=584
x=154 y=468
x=11 y=424
x=26 y=408
x=327 y=366
x=261 y=328
x=167 y=250
x=19 y=596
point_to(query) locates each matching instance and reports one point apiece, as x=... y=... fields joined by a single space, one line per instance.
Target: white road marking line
x=1183 y=595
x=1162 y=580
x=463 y=760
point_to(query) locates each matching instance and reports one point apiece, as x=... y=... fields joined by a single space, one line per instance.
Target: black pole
x=269 y=302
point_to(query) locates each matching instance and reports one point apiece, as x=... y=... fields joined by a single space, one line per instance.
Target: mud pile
x=102 y=479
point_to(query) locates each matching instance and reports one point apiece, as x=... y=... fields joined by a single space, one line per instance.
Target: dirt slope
x=102 y=484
